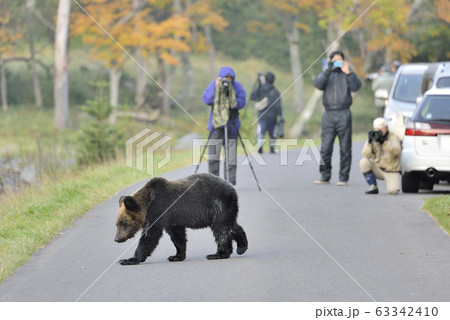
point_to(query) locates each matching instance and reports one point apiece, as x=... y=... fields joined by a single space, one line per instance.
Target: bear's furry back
x=195 y=202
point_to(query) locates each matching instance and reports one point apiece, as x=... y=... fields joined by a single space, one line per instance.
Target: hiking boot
x=373 y=189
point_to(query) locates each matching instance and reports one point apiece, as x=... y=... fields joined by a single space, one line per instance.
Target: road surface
x=306 y=243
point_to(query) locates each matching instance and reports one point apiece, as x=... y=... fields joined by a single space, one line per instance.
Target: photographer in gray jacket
x=337 y=83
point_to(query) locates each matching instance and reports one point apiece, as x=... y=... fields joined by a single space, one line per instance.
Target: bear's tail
x=241 y=238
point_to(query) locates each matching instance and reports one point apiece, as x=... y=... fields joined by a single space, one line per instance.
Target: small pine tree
x=98 y=139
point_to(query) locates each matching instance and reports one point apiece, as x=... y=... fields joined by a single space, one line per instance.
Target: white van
x=402 y=98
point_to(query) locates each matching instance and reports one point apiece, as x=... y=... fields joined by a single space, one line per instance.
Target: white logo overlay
x=141 y=149
x=143 y=145
x=307 y=149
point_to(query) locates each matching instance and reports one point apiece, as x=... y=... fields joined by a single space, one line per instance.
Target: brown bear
x=196 y=202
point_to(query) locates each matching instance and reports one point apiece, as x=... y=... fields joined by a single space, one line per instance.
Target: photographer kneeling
x=381 y=158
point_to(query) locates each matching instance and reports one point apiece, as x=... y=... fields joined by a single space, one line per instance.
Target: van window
x=443 y=83
x=408 y=87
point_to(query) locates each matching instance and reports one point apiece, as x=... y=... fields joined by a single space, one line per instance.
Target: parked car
x=437 y=75
x=426 y=143
x=402 y=98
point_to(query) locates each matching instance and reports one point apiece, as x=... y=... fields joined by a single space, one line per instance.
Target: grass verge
x=439 y=208
x=31 y=219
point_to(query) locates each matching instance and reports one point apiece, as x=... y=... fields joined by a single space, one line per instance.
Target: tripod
x=227 y=153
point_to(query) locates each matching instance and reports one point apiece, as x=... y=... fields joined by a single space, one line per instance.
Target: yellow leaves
x=303 y=27
x=292 y=7
x=131 y=29
x=443 y=10
x=200 y=44
x=8 y=34
x=202 y=12
x=253 y=26
x=167 y=57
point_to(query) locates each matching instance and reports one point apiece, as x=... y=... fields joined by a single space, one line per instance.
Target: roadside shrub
x=98 y=139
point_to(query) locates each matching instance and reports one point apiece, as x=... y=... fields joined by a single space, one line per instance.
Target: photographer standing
x=381 y=158
x=337 y=83
x=269 y=109
x=225 y=96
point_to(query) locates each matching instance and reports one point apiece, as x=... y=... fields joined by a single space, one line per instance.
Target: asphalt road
x=306 y=243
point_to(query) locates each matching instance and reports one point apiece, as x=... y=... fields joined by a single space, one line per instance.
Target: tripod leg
x=249 y=162
x=227 y=154
x=204 y=149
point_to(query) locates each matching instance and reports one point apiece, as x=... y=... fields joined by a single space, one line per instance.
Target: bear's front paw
x=127 y=262
x=176 y=258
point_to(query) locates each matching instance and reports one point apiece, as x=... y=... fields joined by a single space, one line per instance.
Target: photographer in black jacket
x=269 y=111
x=337 y=83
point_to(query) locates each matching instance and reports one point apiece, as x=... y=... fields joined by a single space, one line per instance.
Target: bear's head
x=129 y=219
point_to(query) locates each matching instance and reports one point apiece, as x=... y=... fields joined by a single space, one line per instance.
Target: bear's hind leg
x=224 y=240
x=241 y=239
x=178 y=237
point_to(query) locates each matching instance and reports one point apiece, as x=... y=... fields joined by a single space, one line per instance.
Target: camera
x=226 y=85
x=375 y=135
x=261 y=77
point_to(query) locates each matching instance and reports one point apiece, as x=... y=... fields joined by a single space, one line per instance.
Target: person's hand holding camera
x=376 y=135
x=330 y=67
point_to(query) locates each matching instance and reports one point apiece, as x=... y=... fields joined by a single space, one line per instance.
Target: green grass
x=439 y=208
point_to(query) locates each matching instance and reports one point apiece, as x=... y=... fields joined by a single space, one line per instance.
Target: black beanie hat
x=339 y=52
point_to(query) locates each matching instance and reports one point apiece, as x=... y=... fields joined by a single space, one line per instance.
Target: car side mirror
x=419 y=100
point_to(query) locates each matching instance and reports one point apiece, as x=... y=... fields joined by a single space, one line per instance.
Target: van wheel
x=410 y=184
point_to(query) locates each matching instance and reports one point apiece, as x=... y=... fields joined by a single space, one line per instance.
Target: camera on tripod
x=225 y=85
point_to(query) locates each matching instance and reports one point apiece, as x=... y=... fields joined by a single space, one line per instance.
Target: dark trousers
x=266 y=126
x=216 y=142
x=336 y=123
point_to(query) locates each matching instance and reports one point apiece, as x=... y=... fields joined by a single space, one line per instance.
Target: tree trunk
x=114 y=87
x=3 y=85
x=141 y=79
x=333 y=34
x=189 y=82
x=165 y=107
x=211 y=51
x=61 y=85
x=188 y=72
x=313 y=102
x=292 y=35
x=36 y=84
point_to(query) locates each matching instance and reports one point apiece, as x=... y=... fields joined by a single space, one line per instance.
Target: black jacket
x=274 y=101
x=337 y=87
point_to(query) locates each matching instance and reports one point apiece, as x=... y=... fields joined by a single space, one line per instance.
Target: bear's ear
x=130 y=204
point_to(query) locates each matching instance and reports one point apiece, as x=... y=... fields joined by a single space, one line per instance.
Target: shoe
x=373 y=189
x=260 y=150
x=323 y=182
x=342 y=183
x=272 y=150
